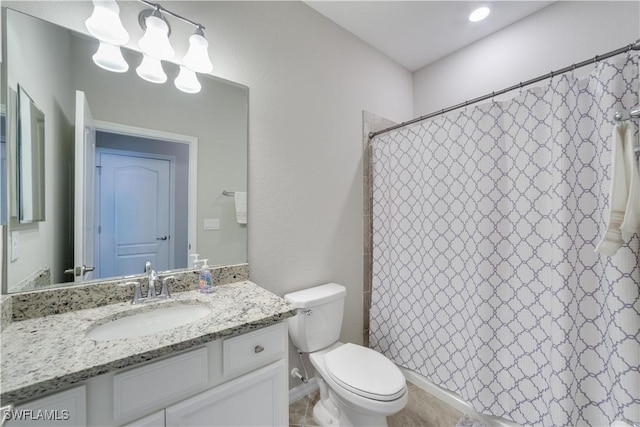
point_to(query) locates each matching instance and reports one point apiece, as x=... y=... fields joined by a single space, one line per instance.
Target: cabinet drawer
x=253 y=348
x=138 y=391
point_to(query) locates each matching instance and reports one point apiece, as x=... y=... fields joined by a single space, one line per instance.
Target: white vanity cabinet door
x=258 y=398
x=140 y=390
x=67 y=408
x=154 y=420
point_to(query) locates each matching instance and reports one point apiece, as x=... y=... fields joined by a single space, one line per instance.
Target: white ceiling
x=416 y=33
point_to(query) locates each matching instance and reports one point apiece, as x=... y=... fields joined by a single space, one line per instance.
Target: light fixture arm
x=157 y=12
x=159 y=8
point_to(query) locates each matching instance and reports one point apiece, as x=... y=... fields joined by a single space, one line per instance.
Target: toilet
x=358 y=386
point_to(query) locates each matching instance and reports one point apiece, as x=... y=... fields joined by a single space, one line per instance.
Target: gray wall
x=557 y=36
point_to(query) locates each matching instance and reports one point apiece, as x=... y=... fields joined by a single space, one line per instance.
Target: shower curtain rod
x=627 y=48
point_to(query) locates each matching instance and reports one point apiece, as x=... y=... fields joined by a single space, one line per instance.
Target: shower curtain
x=485 y=278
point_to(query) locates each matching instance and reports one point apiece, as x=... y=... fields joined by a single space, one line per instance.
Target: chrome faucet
x=151 y=293
x=153 y=276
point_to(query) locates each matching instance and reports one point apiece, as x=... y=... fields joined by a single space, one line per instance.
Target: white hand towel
x=618 y=194
x=631 y=222
x=241 y=207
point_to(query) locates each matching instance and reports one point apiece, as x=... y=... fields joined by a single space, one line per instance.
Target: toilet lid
x=365 y=372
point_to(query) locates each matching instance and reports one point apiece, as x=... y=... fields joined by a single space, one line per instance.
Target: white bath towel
x=241 y=207
x=631 y=222
x=618 y=194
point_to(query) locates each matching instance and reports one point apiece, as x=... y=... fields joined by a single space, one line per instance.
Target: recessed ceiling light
x=479 y=14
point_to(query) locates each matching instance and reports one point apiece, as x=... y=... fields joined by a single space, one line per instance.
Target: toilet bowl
x=358 y=386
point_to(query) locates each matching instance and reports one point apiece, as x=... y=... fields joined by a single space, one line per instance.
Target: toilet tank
x=319 y=320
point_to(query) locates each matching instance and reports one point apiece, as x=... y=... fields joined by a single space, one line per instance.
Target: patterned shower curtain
x=485 y=278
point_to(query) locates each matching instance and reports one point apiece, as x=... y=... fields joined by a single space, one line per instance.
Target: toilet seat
x=365 y=372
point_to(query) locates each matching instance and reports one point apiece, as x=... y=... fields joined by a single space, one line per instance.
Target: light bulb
x=187 y=81
x=197 y=57
x=104 y=23
x=155 y=41
x=150 y=69
x=479 y=14
x=110 y=58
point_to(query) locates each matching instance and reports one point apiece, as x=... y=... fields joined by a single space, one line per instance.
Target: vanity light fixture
x=150 y=69
x=155 y=41
x=187 y=81
x=197 y=57
x=480 y=13
x=105 y=25
x=110 y=58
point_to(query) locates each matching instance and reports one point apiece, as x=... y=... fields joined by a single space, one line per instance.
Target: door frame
x=192 y=143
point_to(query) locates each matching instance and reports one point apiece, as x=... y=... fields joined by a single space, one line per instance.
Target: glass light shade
x=104 y=23
x=197 y=57
x=479 y=14
x=110 y=58
x=150 y=69
x=187 y=81
x=155 y=41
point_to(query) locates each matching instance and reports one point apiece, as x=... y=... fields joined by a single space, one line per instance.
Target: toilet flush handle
x=306 y=312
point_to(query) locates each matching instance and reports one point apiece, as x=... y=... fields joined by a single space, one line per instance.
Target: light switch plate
x=15 y=245
x=212 y=224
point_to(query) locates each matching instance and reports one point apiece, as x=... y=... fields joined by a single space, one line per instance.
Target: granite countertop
x=49 y=353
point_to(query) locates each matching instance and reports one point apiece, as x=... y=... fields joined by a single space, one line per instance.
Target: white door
x=85 y=149
x=255 y=399
x=135 y=213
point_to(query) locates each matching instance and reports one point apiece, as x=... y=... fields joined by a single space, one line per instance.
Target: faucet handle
x=137 y=295
x=164 y=293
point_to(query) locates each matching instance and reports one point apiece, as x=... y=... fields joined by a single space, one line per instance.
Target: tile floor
x=422 y=410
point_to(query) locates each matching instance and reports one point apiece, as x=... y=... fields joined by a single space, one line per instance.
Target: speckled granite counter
x=49 y=353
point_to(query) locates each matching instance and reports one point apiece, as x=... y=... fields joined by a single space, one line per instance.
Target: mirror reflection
x=134 y=171
x=30 y=159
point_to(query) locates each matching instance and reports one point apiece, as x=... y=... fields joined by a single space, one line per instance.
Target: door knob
x=162 y=238
x=79 y=271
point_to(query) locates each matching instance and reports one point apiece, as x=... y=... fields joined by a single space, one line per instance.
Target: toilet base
x=324 y=418
x=332 y=411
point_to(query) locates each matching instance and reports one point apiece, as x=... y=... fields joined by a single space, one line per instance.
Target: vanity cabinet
x=254 y=399
x=236 y=381
x=67 y=408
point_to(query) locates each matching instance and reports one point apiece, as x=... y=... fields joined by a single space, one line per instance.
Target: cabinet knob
x=258 y=349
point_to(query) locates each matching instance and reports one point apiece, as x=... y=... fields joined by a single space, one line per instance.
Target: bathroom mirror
x=30 y=159
x=199 y=141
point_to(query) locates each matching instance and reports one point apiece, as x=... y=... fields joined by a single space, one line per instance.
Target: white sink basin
x=149 y=322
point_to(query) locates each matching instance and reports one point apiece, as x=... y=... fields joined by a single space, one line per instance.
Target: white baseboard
x=454 y=400
x=298 y=392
